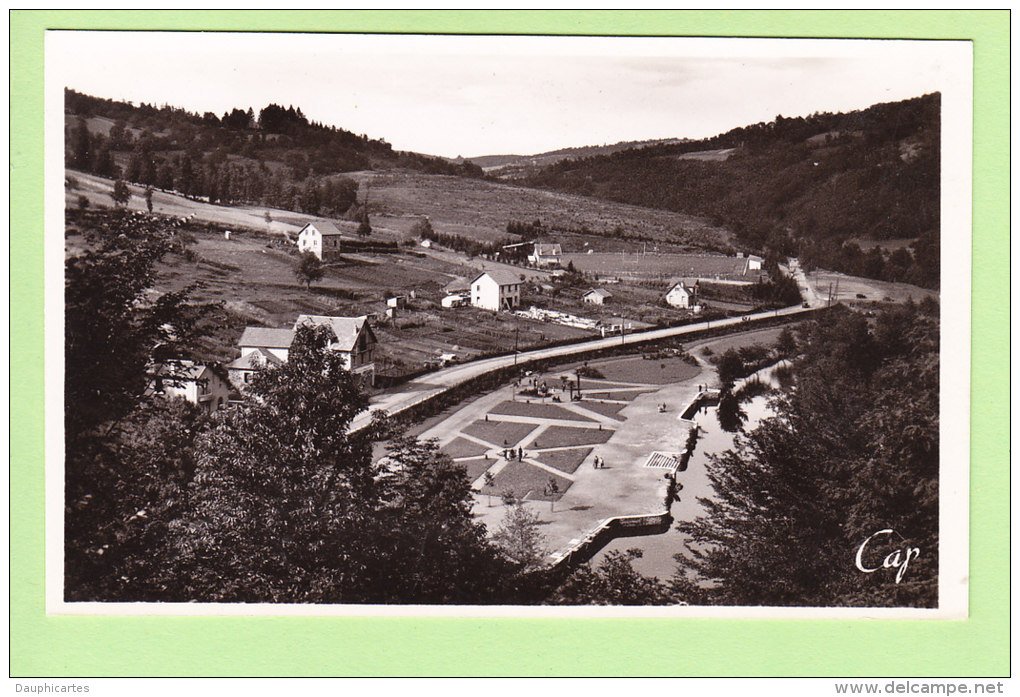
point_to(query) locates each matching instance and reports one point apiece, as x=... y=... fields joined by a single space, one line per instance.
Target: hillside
x=519 y=166
x=276 y=158
x=803 y=186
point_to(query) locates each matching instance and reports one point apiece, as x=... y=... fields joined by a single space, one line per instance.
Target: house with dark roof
x=545 y=254
x=597 y=296
x=194 y=382
x=683 y=294
x=496 y=290
x=320 y=237
x=353 y=339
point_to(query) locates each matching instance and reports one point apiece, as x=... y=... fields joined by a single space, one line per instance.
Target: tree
x=489 y=482
x=148 y=198
x=115 y=331
x=121 y=193
x=852 y=450
x=613 y=582
x=364 y=227
x=422 y=229
x=518 y=536
x=282 y=491
x=309 y=269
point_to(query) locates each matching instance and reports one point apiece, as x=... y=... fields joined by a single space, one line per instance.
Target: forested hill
x=805 y=186
x=275 y=157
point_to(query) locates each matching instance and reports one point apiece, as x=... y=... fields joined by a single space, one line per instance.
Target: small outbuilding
x=597 y=296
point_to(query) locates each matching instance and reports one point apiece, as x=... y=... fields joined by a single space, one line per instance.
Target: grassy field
x=526 y=481
x=499 y=432
x=462 y=447
x=562 y=436
x=661 y=371
x=545 y=411
x=662 y=265
x=481 y=209
x=564 y=460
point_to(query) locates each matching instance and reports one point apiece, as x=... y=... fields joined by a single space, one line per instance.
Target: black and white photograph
x=507 y=325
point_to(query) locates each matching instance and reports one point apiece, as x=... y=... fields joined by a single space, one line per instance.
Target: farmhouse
x=545 y=255
x=319 y=238
x=597 y=296
x=354 y=340
x=496 y=290
x=194 y=382
x=753 y=263
x=267 y=340
x=682 y=295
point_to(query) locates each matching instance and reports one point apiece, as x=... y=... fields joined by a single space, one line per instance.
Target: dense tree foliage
x=309 y=269
x=805 y=186
x=853 y=450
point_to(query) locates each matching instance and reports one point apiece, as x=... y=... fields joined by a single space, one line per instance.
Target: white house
x=753 y=263
x=682 y=295
x=353 y=339
x=194 y=382
x=319 y=238
x=496 y=290
x=545 y=254
x=267 y=340
x=597 y=296
x=241 y=370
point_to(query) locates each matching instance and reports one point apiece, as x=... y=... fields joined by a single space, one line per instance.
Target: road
x=437 y=382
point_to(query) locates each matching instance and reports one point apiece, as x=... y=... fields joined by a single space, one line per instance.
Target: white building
x=682 y=295
x=496 y=290
x=242 y=369
x=545 y=255
x=597 y=296
x=353 y=339
x=754 y=263
x=319 y=238
x=194 y=382
x=453 y=301
x=267 y=340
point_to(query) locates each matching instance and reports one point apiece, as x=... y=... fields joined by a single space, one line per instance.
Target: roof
x=601 y=292
x=254 y=359
x=182 y=370
x=500 y=276
x=345 y=329
x=682 y=284
x=266 y=337
x=324 y=227
x=547 y=249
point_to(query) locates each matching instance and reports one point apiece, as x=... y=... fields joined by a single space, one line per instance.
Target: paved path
x=431 y=384
x=625 y=486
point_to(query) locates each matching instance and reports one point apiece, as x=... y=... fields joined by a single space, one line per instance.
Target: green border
x=164 y=646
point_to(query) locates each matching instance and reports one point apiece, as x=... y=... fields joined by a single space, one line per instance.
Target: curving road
x=437 y=382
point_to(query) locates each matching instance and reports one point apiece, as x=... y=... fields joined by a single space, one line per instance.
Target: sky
x=472 y=96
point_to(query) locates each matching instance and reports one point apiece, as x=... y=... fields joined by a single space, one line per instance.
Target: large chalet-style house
x=545 y=254
x=496 y=290
x=321 y=238
x=196 y=383
x=683 y=294
x=353 y=339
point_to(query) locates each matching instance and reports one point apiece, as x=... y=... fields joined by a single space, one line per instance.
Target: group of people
x=513 y=454
x=598 y=463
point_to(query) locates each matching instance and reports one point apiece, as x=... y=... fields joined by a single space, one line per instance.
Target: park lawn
x=462 y=447
x=660 y=371
x=546 y=411
x=564 y=460
x=476 y=467
x=528 y=481
x=496 y=432
x=627 y=396
x=563 y=436
x=605 y=408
